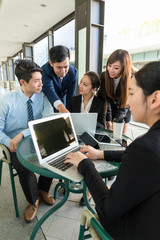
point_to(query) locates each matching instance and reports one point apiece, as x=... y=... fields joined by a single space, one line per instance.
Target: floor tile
x=61 y=228
x=75 y=233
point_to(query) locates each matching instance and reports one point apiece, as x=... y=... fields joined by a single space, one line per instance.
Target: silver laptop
x=53 y=138
x=84 y=122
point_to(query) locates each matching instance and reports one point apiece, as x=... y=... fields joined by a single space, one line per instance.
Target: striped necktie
x=30 y=110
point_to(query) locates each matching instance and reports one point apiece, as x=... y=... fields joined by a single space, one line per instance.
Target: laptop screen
x=53 y=135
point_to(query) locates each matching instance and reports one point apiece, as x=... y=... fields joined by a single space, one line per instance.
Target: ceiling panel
x=25 y=20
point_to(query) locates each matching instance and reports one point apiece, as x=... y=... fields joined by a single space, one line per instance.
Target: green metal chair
x=90 y=223
x=7 y=159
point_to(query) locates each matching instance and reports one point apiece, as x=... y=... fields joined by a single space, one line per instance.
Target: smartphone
x=103 y=138
x=88 y=139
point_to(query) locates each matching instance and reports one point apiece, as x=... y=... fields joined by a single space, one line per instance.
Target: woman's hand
x=75 y=158
x=92 y=153
x=109 y=125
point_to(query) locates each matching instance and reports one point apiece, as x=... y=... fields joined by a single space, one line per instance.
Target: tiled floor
x=62 y=225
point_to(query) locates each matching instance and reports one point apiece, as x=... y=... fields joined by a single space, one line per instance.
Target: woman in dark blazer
x=87 y=101
x=130 y=209
x=114 y=87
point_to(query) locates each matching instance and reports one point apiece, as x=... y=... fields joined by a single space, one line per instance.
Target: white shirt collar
x=87 y=109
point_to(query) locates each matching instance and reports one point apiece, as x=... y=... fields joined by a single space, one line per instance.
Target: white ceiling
x=25 y=20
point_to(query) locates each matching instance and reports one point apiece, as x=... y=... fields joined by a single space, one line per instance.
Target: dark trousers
x=28 y=180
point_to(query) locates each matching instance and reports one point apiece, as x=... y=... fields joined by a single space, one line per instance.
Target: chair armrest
x=7 y=156
x=96 y=230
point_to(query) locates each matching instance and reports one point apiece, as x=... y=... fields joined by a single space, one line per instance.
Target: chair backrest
x=7 y=156
x=94 y=227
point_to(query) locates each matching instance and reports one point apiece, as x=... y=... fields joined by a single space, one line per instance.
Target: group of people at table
x=130 y=209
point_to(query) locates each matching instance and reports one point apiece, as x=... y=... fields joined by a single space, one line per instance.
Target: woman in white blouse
x=88 y=101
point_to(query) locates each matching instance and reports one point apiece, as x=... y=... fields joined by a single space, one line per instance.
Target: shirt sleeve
x=56 y=103
x=109 y=112
x=48 y=88
x=4 y=139
x=72 y=88
x=102 y=115
x=113 y=155
x=47 y=108
x=26 y=132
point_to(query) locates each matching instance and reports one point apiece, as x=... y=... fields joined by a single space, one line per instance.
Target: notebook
x=53 y=138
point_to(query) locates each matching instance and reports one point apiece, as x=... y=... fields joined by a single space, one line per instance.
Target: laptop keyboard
x=59 y=163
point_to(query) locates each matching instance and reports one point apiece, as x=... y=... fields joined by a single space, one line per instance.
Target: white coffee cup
x=118 y=125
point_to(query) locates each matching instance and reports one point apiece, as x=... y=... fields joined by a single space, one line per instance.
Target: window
x=1 y=73
x=66 y=36
x=130 y=28
x=41 y=52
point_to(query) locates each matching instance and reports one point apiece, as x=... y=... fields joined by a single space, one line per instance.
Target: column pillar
x=89 y=35
x=28 y=52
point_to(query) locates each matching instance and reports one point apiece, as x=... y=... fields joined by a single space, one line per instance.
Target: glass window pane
x=41 y=52
x=66 y=36
x=130 y=28
x=1 y=73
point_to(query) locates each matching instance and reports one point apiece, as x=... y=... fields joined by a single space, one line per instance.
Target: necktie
x=30 y=110
x=61 y=79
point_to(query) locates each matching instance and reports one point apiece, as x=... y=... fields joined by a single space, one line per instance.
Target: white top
x=116 y=82
x=87 y=109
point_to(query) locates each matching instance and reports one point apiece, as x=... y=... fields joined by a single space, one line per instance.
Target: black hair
x=94 y=77
x=25 y=68
x=148 y=78
x=58 y=53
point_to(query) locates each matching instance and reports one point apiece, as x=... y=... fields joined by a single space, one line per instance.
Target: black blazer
x=98 y=105
x=130 y=210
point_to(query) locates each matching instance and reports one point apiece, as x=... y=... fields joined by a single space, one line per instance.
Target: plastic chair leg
x=13 y=189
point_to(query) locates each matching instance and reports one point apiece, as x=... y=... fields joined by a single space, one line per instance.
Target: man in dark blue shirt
x=59 y=78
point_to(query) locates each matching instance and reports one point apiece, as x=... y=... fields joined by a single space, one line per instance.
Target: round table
x=28 y=158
